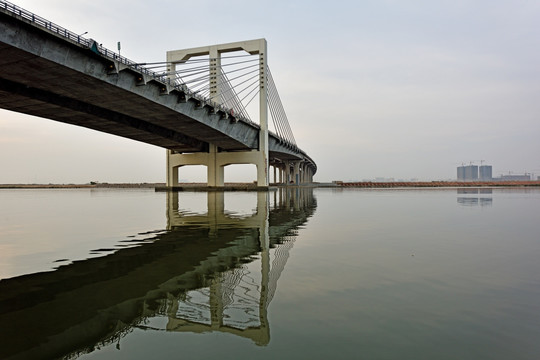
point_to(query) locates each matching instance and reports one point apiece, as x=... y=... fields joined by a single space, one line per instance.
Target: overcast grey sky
x=403 y=89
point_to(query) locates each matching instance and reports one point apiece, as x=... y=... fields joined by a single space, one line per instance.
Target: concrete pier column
x=296 y=177
x=287 y=172
x=262 y=170
x=172 y=171
x=215 y=172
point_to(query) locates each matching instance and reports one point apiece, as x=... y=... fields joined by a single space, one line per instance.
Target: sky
x=403 y=89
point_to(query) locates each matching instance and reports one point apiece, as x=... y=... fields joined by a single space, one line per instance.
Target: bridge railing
x=38 y=20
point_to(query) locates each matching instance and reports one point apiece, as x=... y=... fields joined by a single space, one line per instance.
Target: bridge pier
x=294 y=172
x=279 y=170
x=215 y=160
x=296 y=176
x=215 y=163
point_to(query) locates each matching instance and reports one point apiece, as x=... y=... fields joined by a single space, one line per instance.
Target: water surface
x=299 y=274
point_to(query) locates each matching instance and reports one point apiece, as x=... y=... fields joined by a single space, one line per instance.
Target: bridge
x=196 y=104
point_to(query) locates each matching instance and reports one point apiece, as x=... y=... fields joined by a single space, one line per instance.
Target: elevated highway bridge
x=50 y=72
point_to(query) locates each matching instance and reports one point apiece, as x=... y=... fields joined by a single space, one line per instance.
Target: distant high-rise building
x=485 y=173
x=475 y=173
x=461 y=173
x=469 y=172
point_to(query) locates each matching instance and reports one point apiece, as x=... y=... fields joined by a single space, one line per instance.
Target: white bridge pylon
x=215 y=160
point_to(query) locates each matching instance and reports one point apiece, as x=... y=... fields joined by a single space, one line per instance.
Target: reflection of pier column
x=216 y=303
x=264 y=239
x=172 y=208
x=216 y=210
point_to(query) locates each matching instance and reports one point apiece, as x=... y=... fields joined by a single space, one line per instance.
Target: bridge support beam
x=215 y=162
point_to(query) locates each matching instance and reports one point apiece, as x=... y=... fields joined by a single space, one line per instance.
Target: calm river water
x=289 y=274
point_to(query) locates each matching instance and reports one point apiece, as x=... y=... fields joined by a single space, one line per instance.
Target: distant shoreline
x=81 y=186
x=450 y=184
x=336 y=184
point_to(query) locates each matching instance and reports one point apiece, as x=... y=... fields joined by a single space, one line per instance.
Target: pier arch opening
x=192 y=174
x=240 y=173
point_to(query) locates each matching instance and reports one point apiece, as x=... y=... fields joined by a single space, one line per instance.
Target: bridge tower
x=215 y=160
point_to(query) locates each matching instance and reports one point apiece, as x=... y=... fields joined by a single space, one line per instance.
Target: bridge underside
x=22 y=98
x=47 y=76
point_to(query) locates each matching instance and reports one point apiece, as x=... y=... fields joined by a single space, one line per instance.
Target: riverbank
x=81 y=186
x=251 y=186
x=423 y=184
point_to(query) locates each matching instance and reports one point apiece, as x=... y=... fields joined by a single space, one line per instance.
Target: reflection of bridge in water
x=235 y=301
x=216 y=272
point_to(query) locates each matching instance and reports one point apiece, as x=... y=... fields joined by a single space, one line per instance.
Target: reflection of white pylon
x=233 y=302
